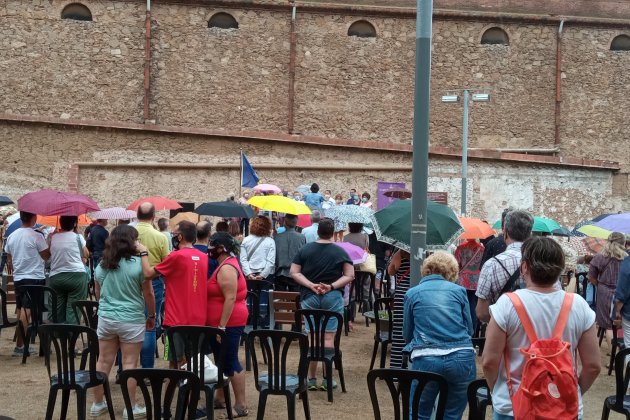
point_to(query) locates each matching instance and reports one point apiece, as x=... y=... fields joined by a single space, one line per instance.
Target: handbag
x=369 y=266
x=210 y=370
x=88 y=275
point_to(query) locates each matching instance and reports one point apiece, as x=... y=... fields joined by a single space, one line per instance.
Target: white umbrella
x=114 y=213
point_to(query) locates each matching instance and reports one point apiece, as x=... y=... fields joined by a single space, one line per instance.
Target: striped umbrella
x=114 y=213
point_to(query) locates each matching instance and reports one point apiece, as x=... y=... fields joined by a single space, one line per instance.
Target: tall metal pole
x=420 y=160
x=465 y=152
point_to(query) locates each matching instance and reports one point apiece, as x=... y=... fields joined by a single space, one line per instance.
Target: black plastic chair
x=6 y=322
x=364 y=302
x=317 y=320
x=36 y=294
x=399 y=383
x=63 y=338
x=256 y=287
x=617 y=343
x=87 y=312
x=275 y=348
x=620 y=402
x=156 y=409
x=383 y=336
x=196 y=341
x=253 y=305
x=479 y=399
x=479 y=337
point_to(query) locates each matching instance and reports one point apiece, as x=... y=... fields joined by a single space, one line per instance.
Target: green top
x=121 y=292
x=155 y=242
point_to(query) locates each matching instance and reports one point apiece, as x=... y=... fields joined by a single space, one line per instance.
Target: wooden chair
x=282 y=308
x=620 y=402
x=63 y=338
x=275 y=345
x=156 y=409
x=399 y=382
x=479 y=399
x=383 y=336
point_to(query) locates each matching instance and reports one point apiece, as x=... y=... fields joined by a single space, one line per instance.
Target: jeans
x=147 y=354
x=472 y=303
x=459 y=370
x=497 y=416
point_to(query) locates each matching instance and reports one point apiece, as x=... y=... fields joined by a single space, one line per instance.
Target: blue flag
x=248 y=174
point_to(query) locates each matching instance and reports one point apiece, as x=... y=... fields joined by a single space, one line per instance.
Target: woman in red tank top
x=227 y=310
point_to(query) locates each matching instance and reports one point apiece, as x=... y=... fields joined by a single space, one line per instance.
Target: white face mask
x=327 y=197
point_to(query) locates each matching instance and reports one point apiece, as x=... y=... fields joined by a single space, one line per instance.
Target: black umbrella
x=225 y=209
x=5 y=201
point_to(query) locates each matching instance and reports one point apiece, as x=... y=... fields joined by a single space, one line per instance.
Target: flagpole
x=240 y=184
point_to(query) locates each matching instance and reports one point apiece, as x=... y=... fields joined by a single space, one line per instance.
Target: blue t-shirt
x=212 y=263
x=313 y=200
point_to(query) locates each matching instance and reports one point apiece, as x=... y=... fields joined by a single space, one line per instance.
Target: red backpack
x=549 y=387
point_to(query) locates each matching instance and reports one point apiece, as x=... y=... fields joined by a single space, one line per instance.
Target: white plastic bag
x=210 y=371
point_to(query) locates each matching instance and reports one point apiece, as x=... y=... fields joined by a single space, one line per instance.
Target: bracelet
x=151 y=316
x=221 y=328
x=144 y=254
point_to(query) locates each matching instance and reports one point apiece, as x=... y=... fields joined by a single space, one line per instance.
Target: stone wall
x=37 y=156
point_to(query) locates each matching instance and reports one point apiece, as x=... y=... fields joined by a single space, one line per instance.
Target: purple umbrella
x=56 y=203
x=356 y=254
x=615 y=223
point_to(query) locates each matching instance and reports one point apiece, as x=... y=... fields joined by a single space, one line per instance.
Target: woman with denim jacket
x=437 y=329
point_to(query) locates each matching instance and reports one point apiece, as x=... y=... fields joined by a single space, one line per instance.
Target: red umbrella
x=304 y=220
x=593 y=245
x=48 y=202
x=401 y=193
x=160 y=203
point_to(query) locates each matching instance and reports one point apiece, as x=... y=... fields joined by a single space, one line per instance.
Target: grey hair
x=316 y=216
x=518 y=225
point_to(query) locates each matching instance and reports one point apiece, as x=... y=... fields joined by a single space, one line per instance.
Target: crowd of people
x=150 y=276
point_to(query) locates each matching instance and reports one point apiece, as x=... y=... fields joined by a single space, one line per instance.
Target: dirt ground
x=24 y=388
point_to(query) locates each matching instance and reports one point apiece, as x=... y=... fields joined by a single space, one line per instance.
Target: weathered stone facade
x=347 y=89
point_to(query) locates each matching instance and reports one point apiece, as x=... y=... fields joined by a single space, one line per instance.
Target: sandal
x=240 y=411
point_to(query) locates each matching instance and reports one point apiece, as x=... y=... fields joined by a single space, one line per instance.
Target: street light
x=476 y=97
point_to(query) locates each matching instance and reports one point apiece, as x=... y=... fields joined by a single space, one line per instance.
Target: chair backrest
x=384 y=305
x=317 y=319
x=274 y=345
x=87 y=311
x=63 y=339
x=399 y=382
x=37 y=293
x=156 y=409
x=3 y=310
x=478 y=399
x=622 y=376
x=253 y=305
x=282 y=307
x=196 y=340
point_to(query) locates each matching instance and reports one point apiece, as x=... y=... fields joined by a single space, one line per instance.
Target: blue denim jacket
x=622 y=292
x=436 y=315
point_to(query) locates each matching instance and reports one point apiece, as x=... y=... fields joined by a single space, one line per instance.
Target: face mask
x=351 y=195
x=214 y=252
x=297 y=198
x=364 y=199
x=327 y=197
x=356 y=197
x=175 y=241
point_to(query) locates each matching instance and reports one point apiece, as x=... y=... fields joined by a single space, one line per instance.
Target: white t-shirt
x=543 y=310
x=64 y=253
x=24 y=245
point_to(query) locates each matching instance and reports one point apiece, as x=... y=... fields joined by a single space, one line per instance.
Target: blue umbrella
x=615 y=223
x=15 y=226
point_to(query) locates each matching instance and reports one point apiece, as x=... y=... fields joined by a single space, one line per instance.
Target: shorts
x=23 y=299
x=332 y=301
x=231 y=365
x=125 y=332
x=176 y=348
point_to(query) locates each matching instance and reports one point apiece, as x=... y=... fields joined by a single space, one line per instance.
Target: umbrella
x=185 y=215
x=15 y=225
x=279 y=203
x=54 y=220
x=401 y=193
x=114 y=213
x=475 y=228
x=5 y=201
x=304 y=189
x=541 y=224
x=304 y=220
x=393 y=225
x=268 y=188
x=562 y=231
x=349 y=213
x=601 y=217
x=160 y=203
x=576 y=232
x=594 y=231
x=614 y=222
x=356 y=253
x=570 y=253
x=593 y=245
x=225 y=209
x=48 y=202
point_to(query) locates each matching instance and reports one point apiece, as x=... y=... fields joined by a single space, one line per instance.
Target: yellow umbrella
x=278 y=203
x=188 y=216
x=594 y=231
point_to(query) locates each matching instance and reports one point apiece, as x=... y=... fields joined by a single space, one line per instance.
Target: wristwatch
x=144 y=254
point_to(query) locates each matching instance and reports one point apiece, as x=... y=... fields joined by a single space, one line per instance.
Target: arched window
x=620 y=43
x=222 y=20
x=362 y=29
x=495 y=36
x=76 y=11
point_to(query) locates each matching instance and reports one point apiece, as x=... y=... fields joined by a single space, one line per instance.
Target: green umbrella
x=541 y=224
x=393 y=225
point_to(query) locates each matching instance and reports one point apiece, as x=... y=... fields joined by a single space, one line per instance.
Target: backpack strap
x=522 y=315
x=563 y=317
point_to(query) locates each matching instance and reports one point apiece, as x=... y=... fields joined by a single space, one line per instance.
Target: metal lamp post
x=476 y=97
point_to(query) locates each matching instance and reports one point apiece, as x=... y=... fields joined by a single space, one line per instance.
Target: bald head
x=146 y=212
x=203 y=230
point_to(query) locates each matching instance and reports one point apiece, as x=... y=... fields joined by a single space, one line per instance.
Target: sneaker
x=98 y=408
x=312 y=384
x=324 y=385
x=19 y=351
x=138 y=412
